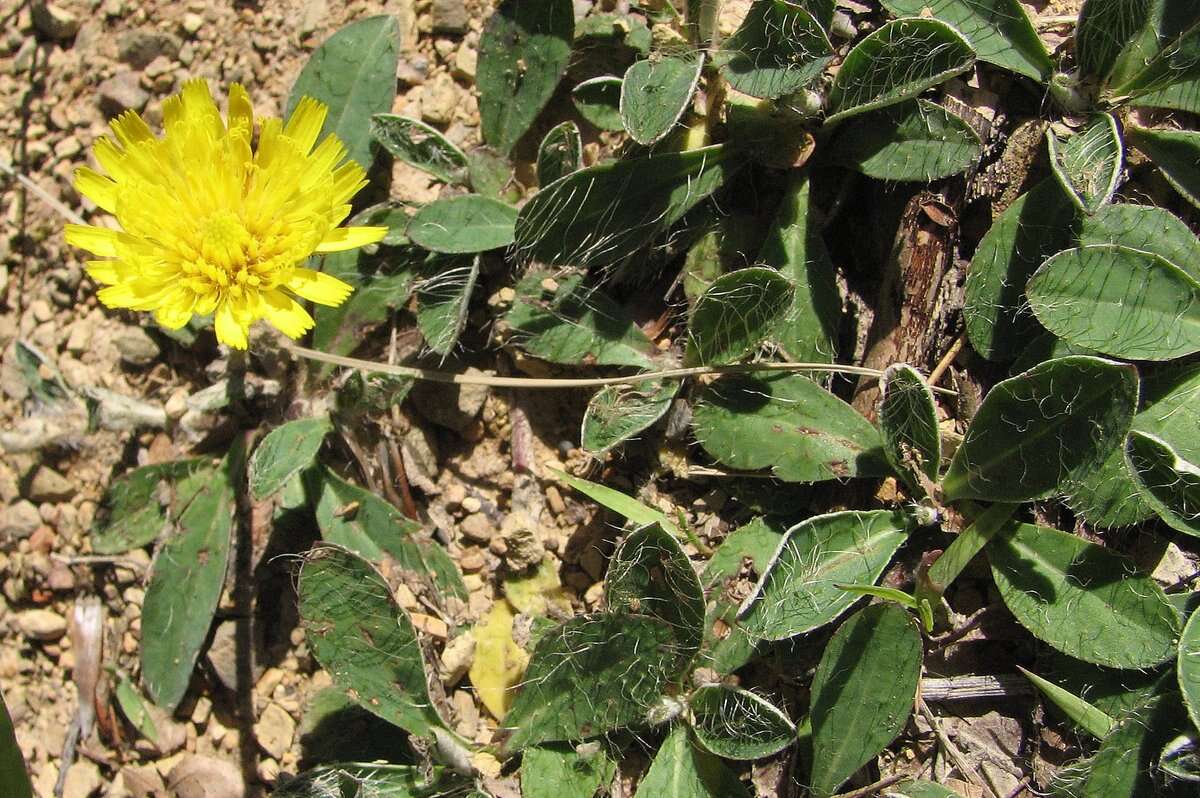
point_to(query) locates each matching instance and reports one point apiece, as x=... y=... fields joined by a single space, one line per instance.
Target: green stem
x=955 y=558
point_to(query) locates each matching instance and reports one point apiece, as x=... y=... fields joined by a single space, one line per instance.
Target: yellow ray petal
x=230 y=331
x=97 y=240
x=104 y=271
x=350 y=238
x=305 y=123
x=172 y=317
x=324 y=289
x=288 y=317
x=130 y=128
x=96 y=187
x=241 y=112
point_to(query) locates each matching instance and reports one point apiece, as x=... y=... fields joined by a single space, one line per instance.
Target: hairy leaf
x=284 y=452
x=463 y=225
x=523 y=52
x=603 y=214
x=617 y=413
x=999 y=30
x=421 y=146
x=1060 y=419
x=915 y=140
x=354 y=74
x=364 y=640
x=1177 y=155
x=1119 y=301
x=799 y=590
x=896 y=63
x=786 y=423
x=591 y=675
x=1088 y=164
x=779 y=48
x=654 y=94
x=737 y=724
x=681 y=770
x=650 y=574
x=1083 y=599
x=736 y=314
x=186 y=584
x=559 y=154
x=862 y=692
x=908 y=422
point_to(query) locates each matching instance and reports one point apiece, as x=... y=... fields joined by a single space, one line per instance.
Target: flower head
x=210 y=224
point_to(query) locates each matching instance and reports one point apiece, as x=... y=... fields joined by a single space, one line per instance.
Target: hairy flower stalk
x=211 y=224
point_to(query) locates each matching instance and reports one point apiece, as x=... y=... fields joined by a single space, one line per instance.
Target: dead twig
x=960 y=762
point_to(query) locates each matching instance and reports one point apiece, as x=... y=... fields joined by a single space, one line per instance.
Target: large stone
x=47 y=485
x=452 y=406
x=54 y=22
x=139 y=47
x=83 y=780
x=44 y=625
x=274 y=730
x=136 y=346
x=205 y=777
x=450 y=16
x=121 y=92
x=439 y=100
x=19 y=520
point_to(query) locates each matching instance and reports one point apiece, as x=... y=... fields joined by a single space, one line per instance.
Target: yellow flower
x=211 y=225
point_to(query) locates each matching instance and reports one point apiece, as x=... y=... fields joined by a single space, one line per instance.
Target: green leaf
x=1143 y=227
x=896 y=63
x=1057 y=420
x=799 y=592
x=737 y=724
x=463 y=225
x=364 y=640
x=284 y=452
x=617 y=413
x=603 y=214
x=779 y=48
x=420 y=146
x=572 y=323
x=136 y=510
x=654 y=94
x=1087 y=717
x=14 y=779
x=1088 y=164
x=1104 y=29
x=786 y=423
x=489 y=173
x=1181 y=95
x=915 y=140
x=1169 y=484
x=1165 y=56
x=920 y=789
x=1187 y=667
x=794 y=246
x=650 y=574
x=736 y=314
x=443 y=299
x=136 y=709
x=1180 y=758
x=559 y=154
x=523 y=52
x=598 y=100
x=681 y=770
x=370 y=527
x=999 y=30
x=1108 y=496
x=862 y=693
x=372 y=780
x=1176 y=153
x=1124 y=767
x=626 y=506
x=382 y=282
x=354 y=74
x=591 y=675
x=559 y=771
x=999 y=323
x=186 y=584
x=908 y=424
x=727 y=644
x=1120 y=301
x=1082 y=599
